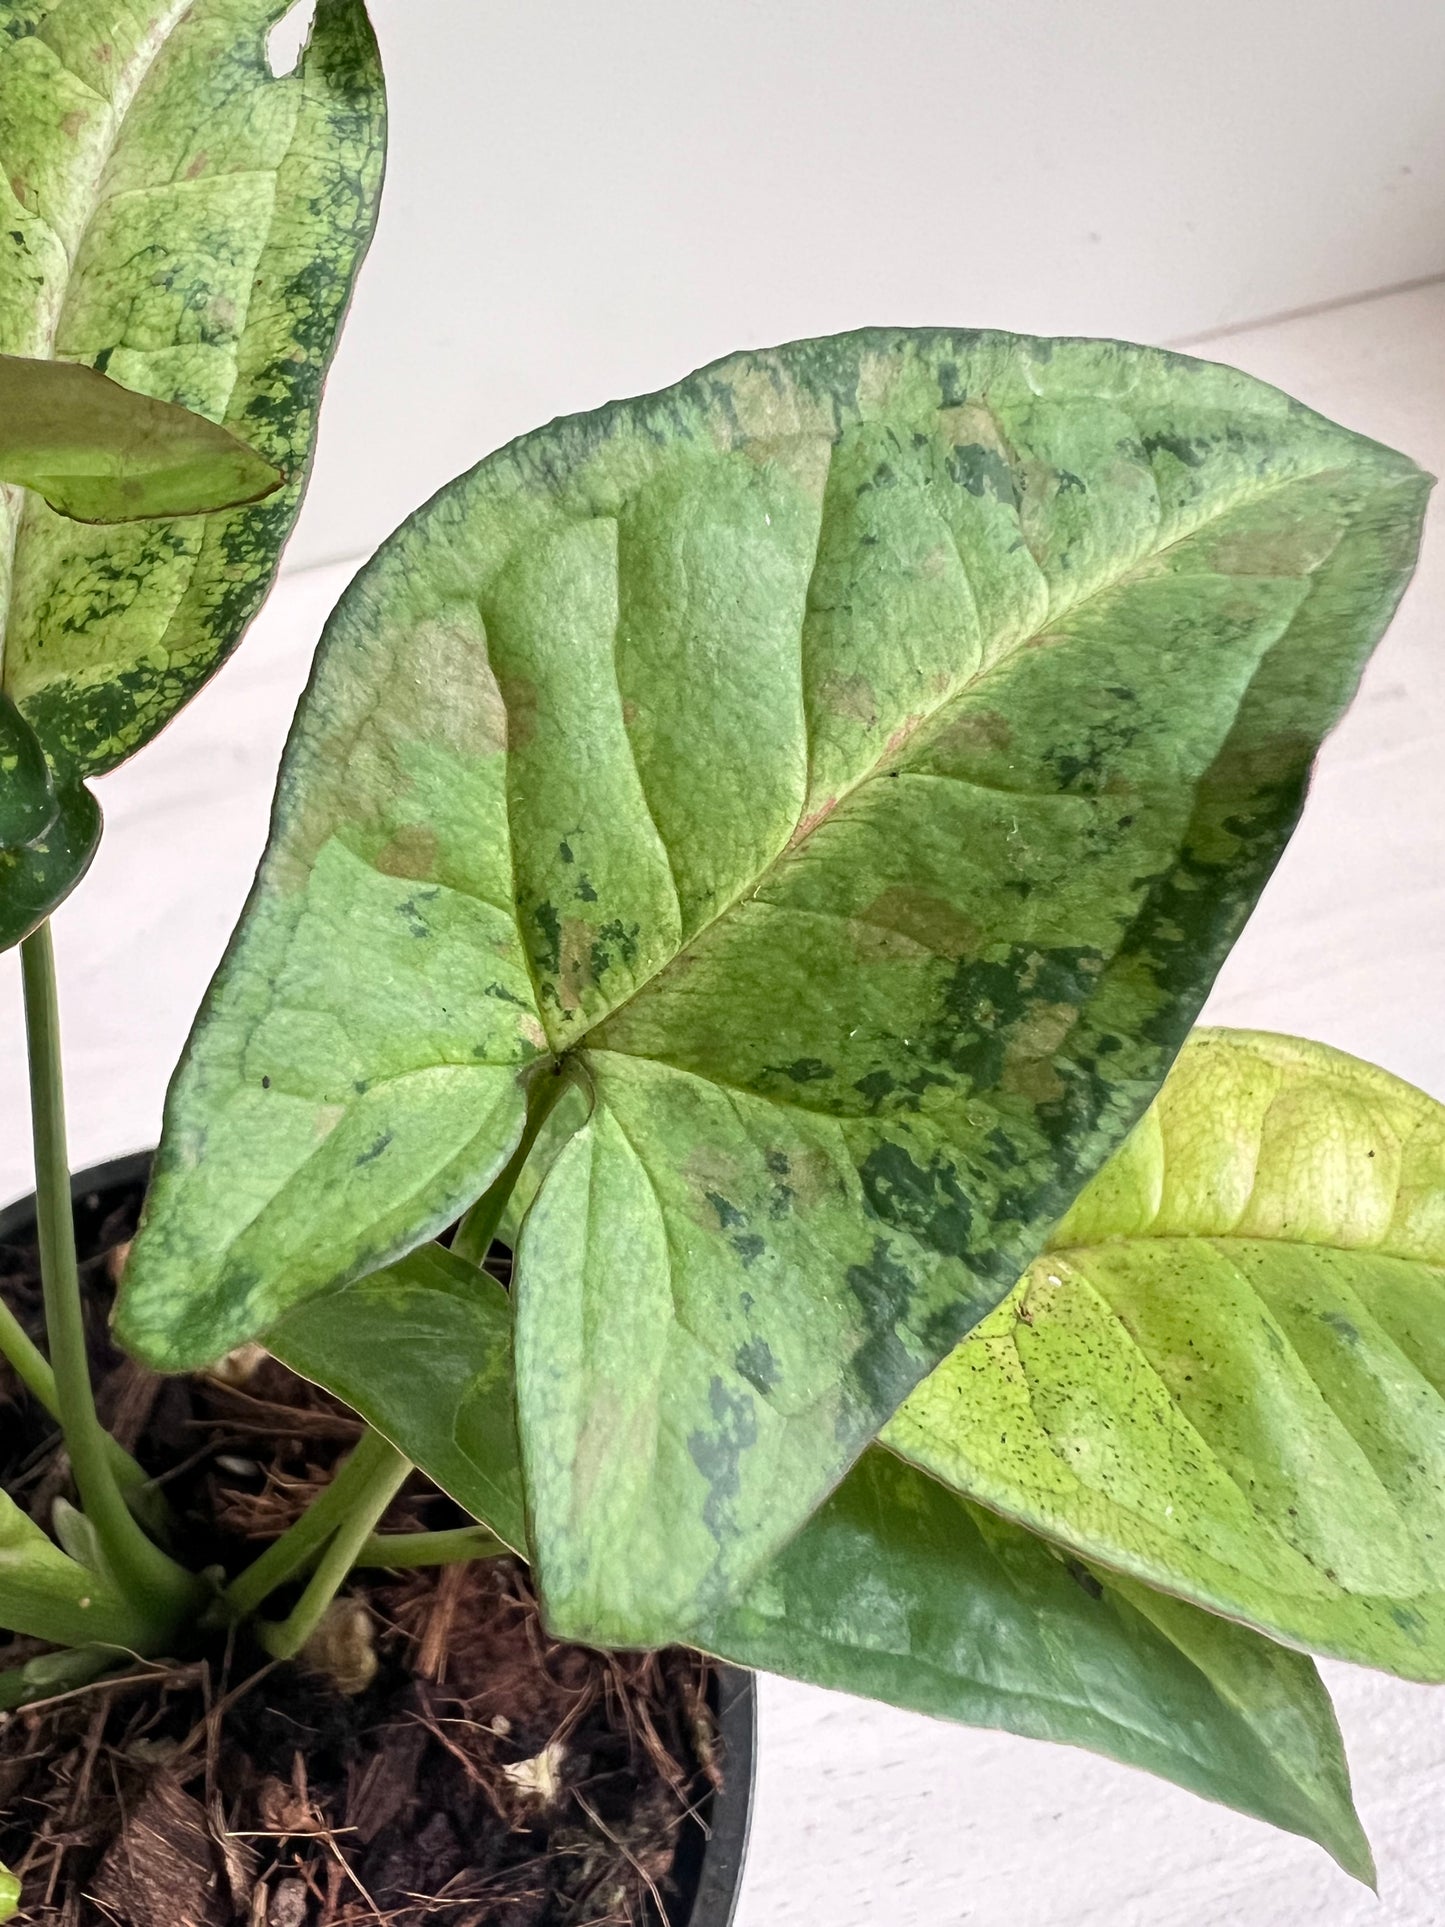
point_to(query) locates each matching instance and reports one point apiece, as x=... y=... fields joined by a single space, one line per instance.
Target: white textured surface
x=586 y=201
x=868 y=1817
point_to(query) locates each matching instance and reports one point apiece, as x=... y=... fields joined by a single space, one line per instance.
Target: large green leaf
x=100 y=453
x=897 y=1589
x=855 y=761
x=47 y=1595
x=1228 y=1374
x=186 y=223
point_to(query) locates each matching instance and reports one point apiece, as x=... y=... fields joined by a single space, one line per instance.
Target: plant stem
x=399 y=1551
x=477 y=1229
x=141 y=1569
x=285 y=1639
x=299 y=1547
x=32 y=1368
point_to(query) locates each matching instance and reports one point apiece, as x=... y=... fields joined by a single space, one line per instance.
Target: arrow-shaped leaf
x=1227 y=1376
x=897 y=1590
x=99 y=453
x=854 y=762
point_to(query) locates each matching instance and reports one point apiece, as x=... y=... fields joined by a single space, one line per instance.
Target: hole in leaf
x=288 y=37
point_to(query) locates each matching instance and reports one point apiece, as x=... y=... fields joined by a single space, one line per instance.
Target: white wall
x=588 y=200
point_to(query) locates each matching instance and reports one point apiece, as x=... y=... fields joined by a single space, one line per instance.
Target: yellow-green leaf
x=1227 y=1374
x=99 y=453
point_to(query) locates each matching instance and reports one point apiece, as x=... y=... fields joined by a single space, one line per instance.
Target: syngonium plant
x=757 y=851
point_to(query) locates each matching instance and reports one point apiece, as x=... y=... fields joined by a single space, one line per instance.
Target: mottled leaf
x=856 y=761
x=47 y=1595
x=897 y=1589
x=189 y=224
x=1228 y=1376
x=48 y=830
x=99 y=453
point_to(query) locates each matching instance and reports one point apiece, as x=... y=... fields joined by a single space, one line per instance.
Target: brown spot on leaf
x=1028 y=1068
x=522 y=708
x=811 y=1176
x=1282 y=546
x=474 y=721
x=411 y=852
x=804 y=458
x=197 y=166
x=975 y=729
x=972 y=425
x=852 y=697
x=574 y=971
x=913 y=915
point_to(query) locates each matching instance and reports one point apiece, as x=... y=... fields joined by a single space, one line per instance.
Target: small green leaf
x=434 y=1323
x=99 y=453
x=855 y=761
x=897 y=1589
x=184 y=221
x=1227 y=1376
x=9 y=1894
x=46 y=1595
x=48 y=831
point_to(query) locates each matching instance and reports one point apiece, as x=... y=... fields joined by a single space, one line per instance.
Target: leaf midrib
x=900 y=742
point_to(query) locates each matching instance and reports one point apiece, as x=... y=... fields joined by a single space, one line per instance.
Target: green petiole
x=154 y=1582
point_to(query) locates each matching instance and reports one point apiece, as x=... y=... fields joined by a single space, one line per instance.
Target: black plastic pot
x=710 y=1860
